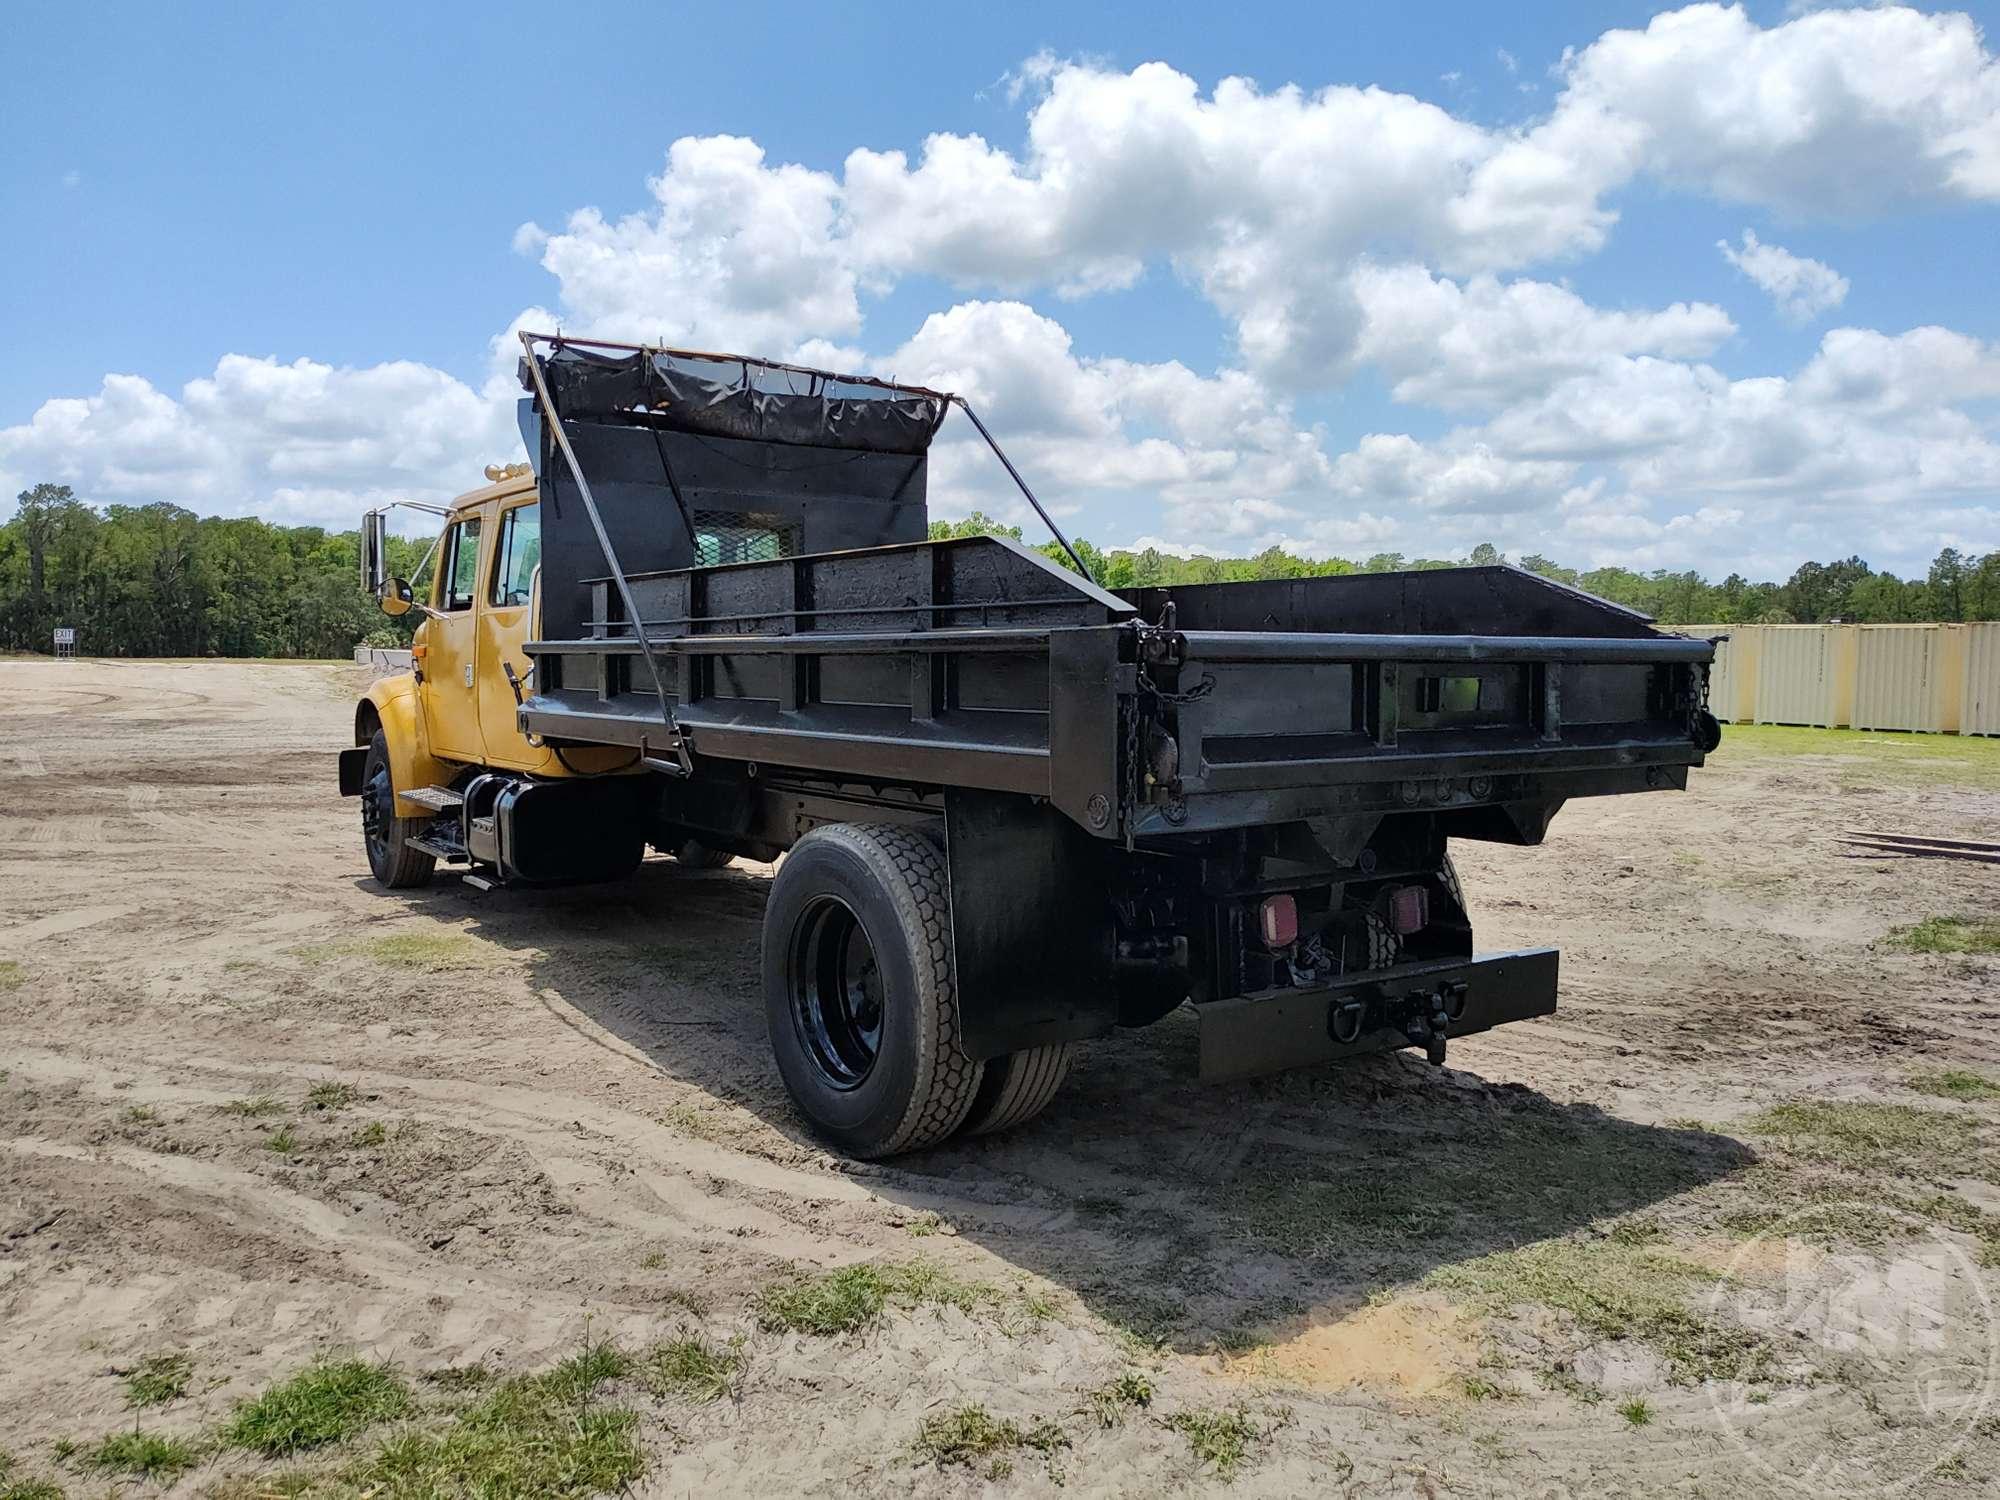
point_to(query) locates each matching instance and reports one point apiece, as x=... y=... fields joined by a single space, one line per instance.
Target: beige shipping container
x=1979 y=697
x=1909 y=677
x=1732 y=681
x=1805 y=675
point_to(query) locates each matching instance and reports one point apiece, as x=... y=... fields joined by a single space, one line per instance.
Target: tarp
x=730 y=396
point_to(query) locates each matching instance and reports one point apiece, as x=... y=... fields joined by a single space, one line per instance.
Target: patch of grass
x=331 y=1096
x=1616 y=1291
x=968 y=1434
x=158 y=1379
x=11 y=975
x=924 y=1225
x=324 y=1403
x=854 y=1296
x=1641 y=1229
x=688 y=1367
x=459 y=1377
x=31 y=1489
x=1636 y=1412
x=374 y=1133
x=419 y=952
x=1541 y=1174
x=655 y=1260
x=1110 y=1402
x=1955 y=1083
x=64 y=1449
x=1860 y=757
x=149 y=1455
x=1857 y=1134
x=1479 y=1388
x=837 y=1302
x=253 y=1108
x=140 y=1114
x=1219 y=1437
x=1040 y=1307
x=578 y=1377
x=535 y=1437
x=690 y=1120
x=282 y=1141
x=1948 y=935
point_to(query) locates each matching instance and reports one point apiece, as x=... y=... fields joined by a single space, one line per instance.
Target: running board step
x=436 y=798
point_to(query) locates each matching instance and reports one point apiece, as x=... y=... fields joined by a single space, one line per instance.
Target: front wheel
x=860 y=990
x=387 y=837
x=699 y=856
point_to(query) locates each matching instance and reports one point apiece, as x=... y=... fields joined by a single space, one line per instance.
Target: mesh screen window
x=727 y=536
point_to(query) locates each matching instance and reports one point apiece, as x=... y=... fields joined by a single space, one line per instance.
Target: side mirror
x=395 y=597
x=375 y=553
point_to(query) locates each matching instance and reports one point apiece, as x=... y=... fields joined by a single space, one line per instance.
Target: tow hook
x=1430 y=1026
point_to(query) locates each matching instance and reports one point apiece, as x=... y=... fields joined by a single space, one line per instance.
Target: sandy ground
x=583 y=1137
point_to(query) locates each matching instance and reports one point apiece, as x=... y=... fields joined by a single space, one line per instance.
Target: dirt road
x=257 y=1110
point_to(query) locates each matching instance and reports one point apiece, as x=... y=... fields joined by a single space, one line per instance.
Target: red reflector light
x=1278 y=918
x=1409 y=909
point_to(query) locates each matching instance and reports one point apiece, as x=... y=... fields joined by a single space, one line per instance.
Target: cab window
x=458 y=579
x=519 y=552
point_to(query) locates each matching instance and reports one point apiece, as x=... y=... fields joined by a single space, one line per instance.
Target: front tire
x=860 y=990
x=386 y=836
x=699 y=856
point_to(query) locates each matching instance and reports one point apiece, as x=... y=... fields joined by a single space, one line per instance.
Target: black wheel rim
x=375 y=814
x=836 y=994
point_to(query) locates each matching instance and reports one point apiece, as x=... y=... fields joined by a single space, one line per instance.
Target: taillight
x=1409 y=909
x=1278 y=920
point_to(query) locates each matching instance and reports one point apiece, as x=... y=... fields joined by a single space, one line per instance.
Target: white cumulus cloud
x=1800 y=288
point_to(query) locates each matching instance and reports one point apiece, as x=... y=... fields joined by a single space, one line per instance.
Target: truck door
x=505 y=619
x=451 y=699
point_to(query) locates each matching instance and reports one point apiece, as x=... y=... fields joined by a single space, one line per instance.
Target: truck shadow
x=1194 y=1216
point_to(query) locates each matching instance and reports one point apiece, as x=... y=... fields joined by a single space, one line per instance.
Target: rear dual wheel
x=860 y=993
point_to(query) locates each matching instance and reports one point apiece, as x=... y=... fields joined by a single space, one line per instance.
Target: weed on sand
x=145 y=1455
x=417 y=952
x=1220 y=1438
x=1616 y=1291
x=324 y=1403
x=971 y=1436
x=1948 y=935
x=1955 y=1083
x=158 y=1379
x=852 y=1297
x=691 y=1368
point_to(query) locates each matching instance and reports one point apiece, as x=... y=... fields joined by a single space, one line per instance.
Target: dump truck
x=1016 y=810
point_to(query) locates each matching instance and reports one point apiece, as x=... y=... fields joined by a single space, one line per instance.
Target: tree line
x=156 y=580
x=1957 y=587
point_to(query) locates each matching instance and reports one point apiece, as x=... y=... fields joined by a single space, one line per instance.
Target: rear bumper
x=1378 y=1011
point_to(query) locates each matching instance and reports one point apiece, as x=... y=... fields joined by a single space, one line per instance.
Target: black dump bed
x=735 y=569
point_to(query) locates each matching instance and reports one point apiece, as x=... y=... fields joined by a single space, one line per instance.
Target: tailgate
x=1374 y=721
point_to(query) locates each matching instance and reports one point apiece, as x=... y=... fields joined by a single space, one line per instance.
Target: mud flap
x=1030 y=924
x=1377 y=1011
x=352 y=763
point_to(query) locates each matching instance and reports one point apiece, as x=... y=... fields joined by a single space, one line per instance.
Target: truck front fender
x=391 y=704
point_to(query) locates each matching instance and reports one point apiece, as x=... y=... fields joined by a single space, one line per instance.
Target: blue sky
x=345 y=186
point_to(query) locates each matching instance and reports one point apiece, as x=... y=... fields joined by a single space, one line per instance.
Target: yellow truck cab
x=418 y=734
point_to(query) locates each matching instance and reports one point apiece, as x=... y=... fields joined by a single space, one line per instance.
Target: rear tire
x=386 y=836
x=860 y=991
x=1018 y=1086
x=698 y=856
